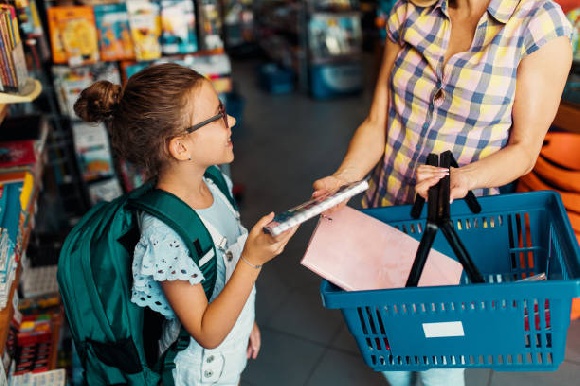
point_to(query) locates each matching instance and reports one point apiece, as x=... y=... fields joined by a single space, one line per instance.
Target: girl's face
x=211 y=136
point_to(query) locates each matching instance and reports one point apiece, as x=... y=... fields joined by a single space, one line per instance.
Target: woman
x=481 y=78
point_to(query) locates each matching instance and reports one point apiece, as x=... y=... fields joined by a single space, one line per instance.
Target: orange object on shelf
x=558 y=169
x=575 y=309
x=561 y=148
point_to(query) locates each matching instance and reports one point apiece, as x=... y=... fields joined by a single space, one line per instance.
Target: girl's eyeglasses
x=221 y=114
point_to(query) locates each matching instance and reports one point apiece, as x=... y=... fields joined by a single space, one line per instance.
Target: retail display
x=238 y=23
x=14 y=76
x=321 y=41
x=335 y=49
x=130 y=36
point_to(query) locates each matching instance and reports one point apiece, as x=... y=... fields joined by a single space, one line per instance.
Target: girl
x=169 y=121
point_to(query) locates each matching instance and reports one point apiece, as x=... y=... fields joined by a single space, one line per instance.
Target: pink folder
x=358 y=252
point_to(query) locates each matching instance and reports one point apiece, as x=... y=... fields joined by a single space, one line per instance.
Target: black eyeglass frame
x=221 y=114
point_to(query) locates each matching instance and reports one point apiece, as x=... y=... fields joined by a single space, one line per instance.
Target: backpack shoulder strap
x=185 y=221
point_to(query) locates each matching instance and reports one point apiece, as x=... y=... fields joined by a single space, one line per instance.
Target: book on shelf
x=7 y=266
x=115 y=42
x=17 y=153
x=313 y=207
x=358 y=252
x=11 y=210
x=105 y=190
x=13 y=68
x=178 y=23
x=145 y=25
x=334 y=35
x=73 y=35
x=55 y=377
x=209 y=29
x=91 y=143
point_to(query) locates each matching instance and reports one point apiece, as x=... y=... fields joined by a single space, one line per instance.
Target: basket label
x=443 y=329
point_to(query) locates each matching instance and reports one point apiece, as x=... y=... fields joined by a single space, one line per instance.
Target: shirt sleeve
x=159 y=256
x=547 y=23
x=395 y=20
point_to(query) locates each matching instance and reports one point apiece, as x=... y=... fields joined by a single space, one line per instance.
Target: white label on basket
x=443 y=329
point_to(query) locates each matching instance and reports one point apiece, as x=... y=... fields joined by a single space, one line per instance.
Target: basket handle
x=470 y=198
x=438 y=217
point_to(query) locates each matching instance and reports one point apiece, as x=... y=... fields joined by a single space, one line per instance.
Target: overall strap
x=217 y=177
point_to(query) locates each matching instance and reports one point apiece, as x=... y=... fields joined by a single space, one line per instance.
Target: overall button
x=210 y=359
x=229 y=255
x=208 y=373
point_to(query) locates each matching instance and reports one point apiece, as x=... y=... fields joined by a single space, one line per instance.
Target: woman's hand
x=327 y=185
x=428 y=176
x=255 y=342
x=261 y=247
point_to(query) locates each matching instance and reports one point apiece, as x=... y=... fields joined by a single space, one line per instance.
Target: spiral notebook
x=311 y=208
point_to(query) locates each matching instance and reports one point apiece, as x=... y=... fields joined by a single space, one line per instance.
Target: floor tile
x=339 y=368
x=283 y=360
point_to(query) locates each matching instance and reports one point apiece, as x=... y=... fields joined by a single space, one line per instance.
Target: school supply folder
x=358 y=252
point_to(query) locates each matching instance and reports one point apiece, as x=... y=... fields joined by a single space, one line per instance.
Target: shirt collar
x=502 y=10
x=498 y=9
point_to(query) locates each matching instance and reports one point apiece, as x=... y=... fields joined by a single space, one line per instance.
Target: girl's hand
x=255 y=342
x=261 y=247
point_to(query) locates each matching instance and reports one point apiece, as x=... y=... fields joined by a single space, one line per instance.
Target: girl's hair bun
x=99 y=102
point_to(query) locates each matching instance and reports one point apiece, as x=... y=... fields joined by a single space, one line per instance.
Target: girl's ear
x=178 y=149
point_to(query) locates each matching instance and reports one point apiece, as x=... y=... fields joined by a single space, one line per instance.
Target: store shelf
x=7 y=313
x=30 y=92
x=3 y=111
x=568 y=117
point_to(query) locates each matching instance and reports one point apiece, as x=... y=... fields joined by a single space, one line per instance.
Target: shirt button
x=208 y=373
x=210 y=359
x=229 y=255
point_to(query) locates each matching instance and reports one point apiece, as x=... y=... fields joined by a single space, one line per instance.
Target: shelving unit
x=320 y=41
x=28 y=220
x=335 y=42
x=29 y=93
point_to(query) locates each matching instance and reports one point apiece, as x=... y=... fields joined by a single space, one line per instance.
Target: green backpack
x=116 y=339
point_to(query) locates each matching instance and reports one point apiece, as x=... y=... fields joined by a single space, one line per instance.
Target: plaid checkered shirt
x=465 y=105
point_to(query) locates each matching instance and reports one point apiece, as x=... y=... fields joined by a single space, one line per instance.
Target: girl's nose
x=231 y=121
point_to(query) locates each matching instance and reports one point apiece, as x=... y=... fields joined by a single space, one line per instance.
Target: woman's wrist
x=347 y=175
x=250 y=264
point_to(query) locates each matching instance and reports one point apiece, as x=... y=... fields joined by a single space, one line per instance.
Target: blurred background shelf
x=29 y=93
x=568 y=117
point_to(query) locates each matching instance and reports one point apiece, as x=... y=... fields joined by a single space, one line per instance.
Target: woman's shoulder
x=531 y=8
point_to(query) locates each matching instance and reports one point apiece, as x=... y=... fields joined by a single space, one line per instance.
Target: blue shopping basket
x=507 y=323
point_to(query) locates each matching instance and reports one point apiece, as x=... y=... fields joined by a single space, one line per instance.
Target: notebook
x=358 y=252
